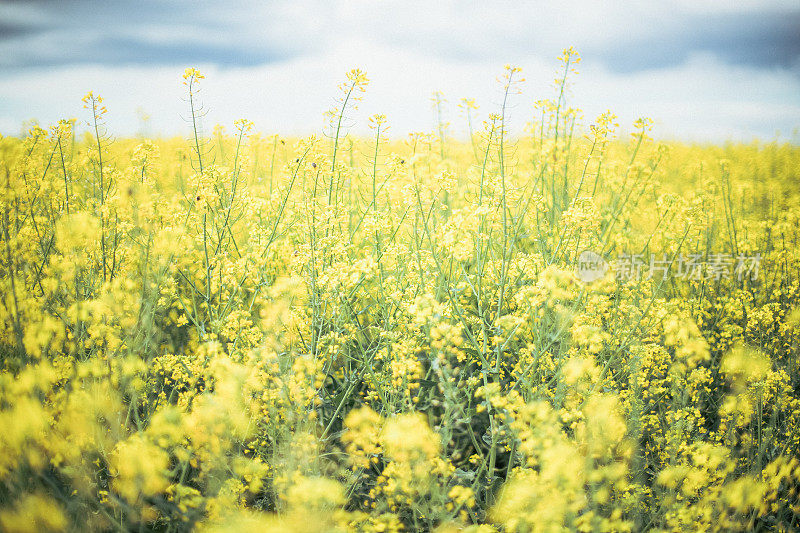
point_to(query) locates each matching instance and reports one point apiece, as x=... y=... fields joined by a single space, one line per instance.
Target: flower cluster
x=238 y=332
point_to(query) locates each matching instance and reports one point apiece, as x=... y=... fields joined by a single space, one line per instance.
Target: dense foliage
x=242 y=332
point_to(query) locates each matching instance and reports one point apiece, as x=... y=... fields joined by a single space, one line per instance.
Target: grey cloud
x=624 y=41
x=109 y=50
x=762 y=40
x=12 y=29
x=151 y=32
x=50 y=33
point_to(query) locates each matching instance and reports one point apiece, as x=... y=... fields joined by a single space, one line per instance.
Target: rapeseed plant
x=235 y=332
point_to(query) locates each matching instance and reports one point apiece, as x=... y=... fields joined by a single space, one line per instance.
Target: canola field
x=577 y=328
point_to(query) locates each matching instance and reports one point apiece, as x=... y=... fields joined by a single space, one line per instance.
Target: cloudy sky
x=705 y=70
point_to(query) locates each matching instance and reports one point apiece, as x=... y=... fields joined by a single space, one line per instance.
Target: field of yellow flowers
x=570 y=329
